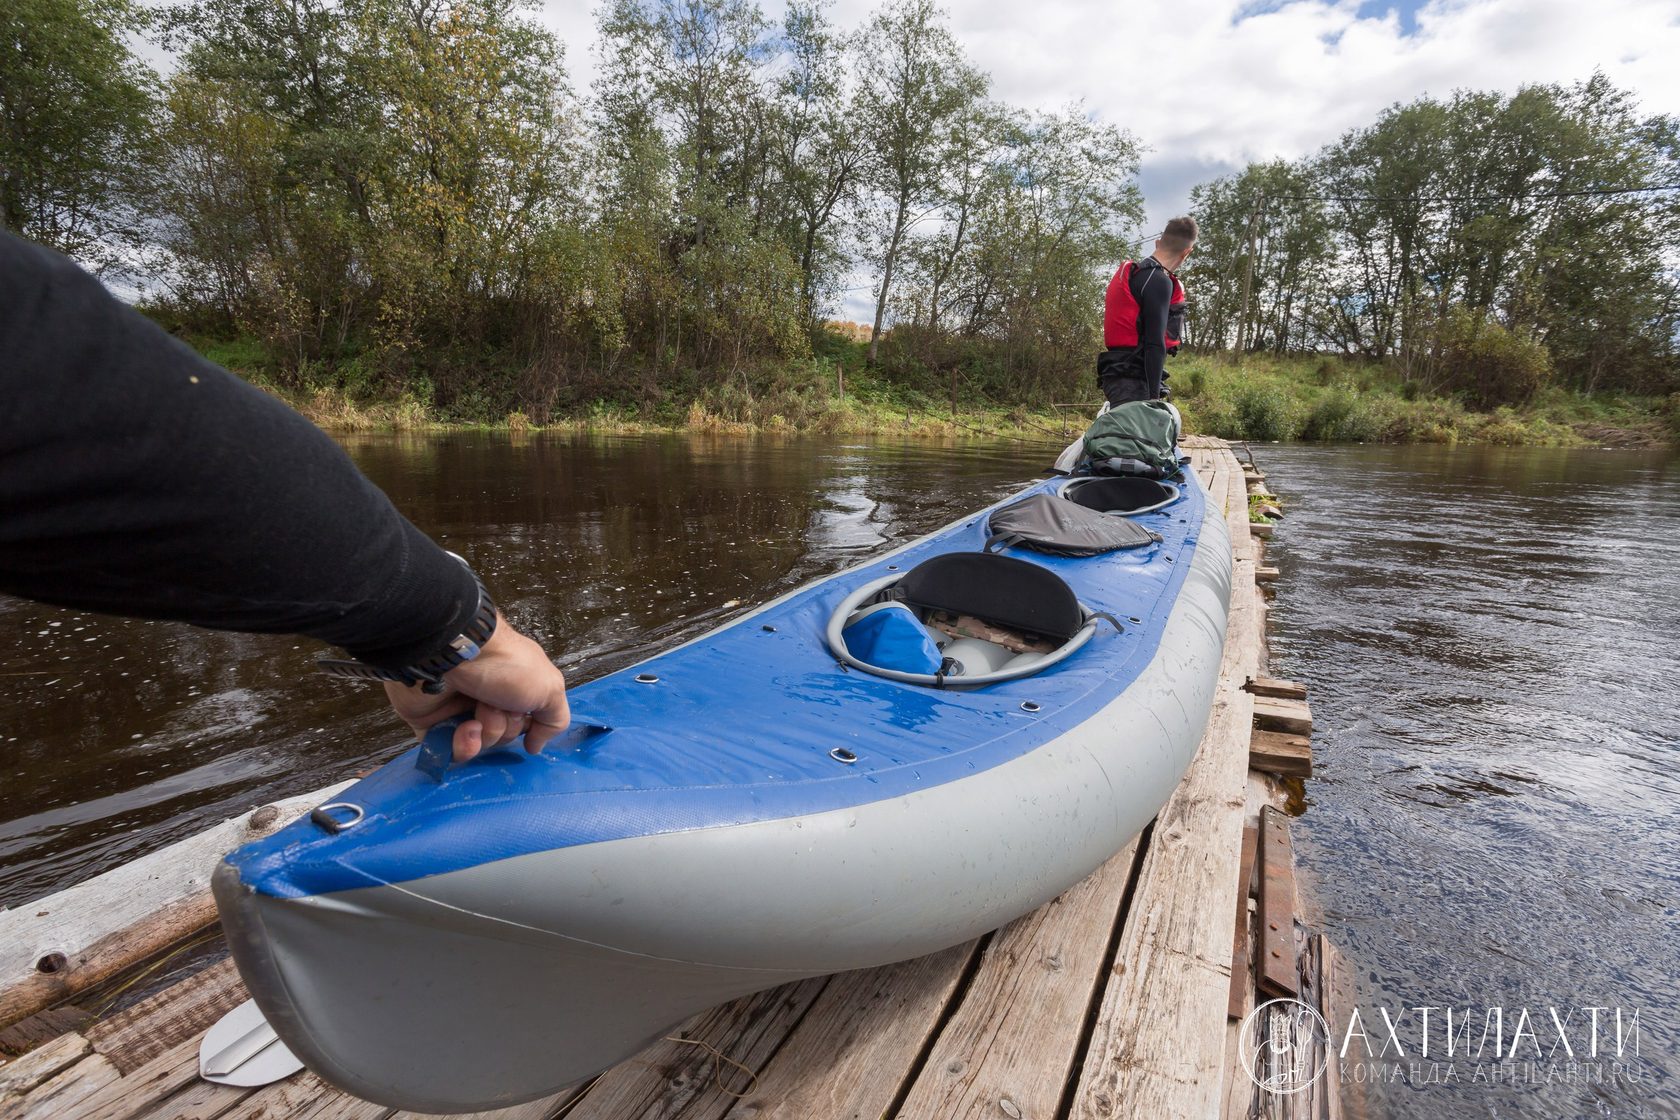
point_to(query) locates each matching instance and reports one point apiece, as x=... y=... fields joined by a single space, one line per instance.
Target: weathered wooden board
x=861 y=1040
x=1276 y=689
x=1242 y=976
x=342 y=1107
x=1276 y=971
x=1008 y=1047
x=687 y=1080
x=298 y=1095
x=72 y=940
x=156 y=1081
x=1175 y=948
x=1327 y=957
x=135 y=1036
x=530 y=1110
x=1277 y=753
x=23 y=1074
x=62 y=1094
x=1240 y=1089
x=1261 y=529
x=1266 y=575
x=42 y=1027
x=1292 y=716
x=199 y=1100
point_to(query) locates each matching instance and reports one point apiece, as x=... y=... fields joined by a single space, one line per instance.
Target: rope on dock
x=718 y=1060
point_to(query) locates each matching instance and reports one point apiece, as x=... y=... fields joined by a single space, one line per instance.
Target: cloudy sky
x=1209 y=85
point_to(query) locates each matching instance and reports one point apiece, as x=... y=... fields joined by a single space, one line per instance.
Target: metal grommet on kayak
x=326 y=816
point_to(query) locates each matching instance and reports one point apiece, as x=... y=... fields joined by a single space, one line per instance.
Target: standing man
x=1143 y=318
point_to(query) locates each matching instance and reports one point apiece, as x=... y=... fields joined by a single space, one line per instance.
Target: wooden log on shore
x=67 y=942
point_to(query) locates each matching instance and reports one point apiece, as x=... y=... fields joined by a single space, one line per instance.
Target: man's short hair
x=1179 y=235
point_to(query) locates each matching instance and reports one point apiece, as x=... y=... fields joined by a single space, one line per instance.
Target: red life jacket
x=1120 y=309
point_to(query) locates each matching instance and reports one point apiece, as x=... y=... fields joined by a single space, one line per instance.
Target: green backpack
x=1138 y=437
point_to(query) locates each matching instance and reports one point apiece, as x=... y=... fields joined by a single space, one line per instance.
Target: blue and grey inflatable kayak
x=880 y=764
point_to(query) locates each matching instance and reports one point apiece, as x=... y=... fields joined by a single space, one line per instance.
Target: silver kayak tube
x=509 y=980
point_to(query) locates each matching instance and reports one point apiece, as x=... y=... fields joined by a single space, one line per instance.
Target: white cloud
x=1208 y=85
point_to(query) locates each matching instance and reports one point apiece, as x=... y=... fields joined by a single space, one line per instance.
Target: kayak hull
x=504 y=981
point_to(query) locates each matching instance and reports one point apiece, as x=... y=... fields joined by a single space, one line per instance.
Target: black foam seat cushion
x=1014 y=594
x=1119 y=495
x=1055 y=525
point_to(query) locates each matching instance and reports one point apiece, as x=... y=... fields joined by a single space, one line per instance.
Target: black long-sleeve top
x=138 y=478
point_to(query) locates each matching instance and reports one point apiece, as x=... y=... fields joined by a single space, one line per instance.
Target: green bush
x=1492 y=366
x=1343 y=417
x=1265 y=411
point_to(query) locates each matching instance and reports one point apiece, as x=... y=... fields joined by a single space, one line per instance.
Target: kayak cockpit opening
x=1120 y=493
x=961 y=620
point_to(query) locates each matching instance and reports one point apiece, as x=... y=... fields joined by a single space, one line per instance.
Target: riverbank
x=1252 y=397
x=1260 y=397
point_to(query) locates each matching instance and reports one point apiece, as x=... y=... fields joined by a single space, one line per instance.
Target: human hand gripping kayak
x=510 y=688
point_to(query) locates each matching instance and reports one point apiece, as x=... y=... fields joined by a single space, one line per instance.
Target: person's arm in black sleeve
x=1154 y=295
x=138 y=478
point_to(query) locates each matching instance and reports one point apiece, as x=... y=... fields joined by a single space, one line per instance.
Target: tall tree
x=914 y=82
x=816 y=153
x=76 y=128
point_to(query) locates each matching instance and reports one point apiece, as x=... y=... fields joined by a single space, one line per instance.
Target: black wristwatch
x=428 y=670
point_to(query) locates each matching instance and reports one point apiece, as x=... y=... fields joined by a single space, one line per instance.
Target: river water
x=1488 y=636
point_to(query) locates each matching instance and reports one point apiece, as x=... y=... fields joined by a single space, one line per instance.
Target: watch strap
x=427 y=671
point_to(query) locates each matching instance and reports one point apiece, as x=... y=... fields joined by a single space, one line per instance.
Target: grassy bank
x=1249 y=398
x=832 y=392
x=1328 y=399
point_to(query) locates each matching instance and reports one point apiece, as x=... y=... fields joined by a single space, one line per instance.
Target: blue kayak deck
x=1110 y=1001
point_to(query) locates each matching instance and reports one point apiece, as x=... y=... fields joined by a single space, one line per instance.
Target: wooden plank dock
x=1124 y=997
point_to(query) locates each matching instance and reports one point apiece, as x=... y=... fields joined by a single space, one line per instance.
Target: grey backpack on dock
x=1046 y=523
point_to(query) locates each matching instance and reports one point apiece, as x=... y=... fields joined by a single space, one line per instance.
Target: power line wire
x=1468 y=197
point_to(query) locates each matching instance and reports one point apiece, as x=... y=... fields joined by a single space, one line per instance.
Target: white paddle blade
x=242 y=1049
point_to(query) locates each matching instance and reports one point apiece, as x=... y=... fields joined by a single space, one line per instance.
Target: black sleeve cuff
x=423 y=610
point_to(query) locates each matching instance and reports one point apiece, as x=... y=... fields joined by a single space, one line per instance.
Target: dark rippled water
x=118 y=736
x=1490 y=637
